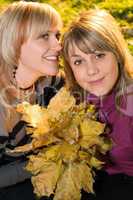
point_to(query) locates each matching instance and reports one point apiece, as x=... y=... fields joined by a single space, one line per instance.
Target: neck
x=26 y=77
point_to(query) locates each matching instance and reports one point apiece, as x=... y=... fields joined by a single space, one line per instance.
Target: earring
x=14 y=71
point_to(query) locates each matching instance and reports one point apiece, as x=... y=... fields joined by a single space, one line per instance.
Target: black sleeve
x=12 y=167
x=13 y=173
x=50 y=90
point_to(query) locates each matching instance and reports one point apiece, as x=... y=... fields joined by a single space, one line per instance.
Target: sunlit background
x=122 y=10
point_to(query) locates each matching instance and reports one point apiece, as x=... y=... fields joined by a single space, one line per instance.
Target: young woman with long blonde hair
x=99 y=68
x=29 y=52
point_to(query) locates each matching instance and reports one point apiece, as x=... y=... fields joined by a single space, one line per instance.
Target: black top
x=14 y=180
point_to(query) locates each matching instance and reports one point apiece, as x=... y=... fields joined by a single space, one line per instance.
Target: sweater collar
x=102 y=102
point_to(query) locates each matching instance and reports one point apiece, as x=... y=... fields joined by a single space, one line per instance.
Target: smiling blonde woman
x=29 y=52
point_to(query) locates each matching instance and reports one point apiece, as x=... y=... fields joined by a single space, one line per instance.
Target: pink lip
x=96 y=81
x=51 y=58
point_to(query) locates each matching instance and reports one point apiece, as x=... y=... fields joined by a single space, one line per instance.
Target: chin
x=99 y=93
x=54 y=73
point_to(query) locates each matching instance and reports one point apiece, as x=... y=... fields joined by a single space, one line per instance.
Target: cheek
x=77 y=75
x=30 y=56
x=113 y=74
x=114 y=71
x=26 y=54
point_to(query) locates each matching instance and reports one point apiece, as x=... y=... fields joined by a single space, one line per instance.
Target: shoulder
x=51 y=81
x=3 y=131
x=126 y=104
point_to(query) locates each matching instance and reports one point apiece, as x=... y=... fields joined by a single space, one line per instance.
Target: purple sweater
x=120 y=120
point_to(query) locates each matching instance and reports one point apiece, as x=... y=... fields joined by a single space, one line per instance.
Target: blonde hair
x=18 y=22
x=98 y=29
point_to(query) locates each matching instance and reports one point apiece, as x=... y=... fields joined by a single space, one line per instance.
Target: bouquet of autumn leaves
x=66 y=142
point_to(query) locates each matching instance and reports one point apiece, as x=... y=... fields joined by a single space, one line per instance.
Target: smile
x=51 y=58
x=98 y=81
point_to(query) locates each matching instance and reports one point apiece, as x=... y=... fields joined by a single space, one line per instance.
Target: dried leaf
x=86 y=177
x=56 y=106
x=70 y=179
x=90 y=131
x=45 y=182
x=69 y=152
x=94 y=162
x=68 y=139
x=75 y=177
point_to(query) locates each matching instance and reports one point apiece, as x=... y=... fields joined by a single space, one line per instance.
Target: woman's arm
x=13 y=173
x=11 y=167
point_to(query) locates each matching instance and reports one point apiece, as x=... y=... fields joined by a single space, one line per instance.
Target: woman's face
x=39 y=56
x=95 y=72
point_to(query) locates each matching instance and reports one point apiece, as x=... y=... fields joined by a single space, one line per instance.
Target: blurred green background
x=122 y=10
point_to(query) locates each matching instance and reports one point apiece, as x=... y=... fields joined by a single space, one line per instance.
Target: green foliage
x=131 y=47
x=118 y=8
x=122 y=10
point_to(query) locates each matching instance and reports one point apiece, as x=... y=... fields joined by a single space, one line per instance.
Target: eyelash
x=99 y=55
x=77 y=62
x=45 y=36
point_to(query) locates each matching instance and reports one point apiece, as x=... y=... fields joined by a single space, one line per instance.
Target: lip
x=53 y=57
x=98 y=81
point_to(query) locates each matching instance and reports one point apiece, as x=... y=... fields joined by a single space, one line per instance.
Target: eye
x=45 y=36
x=99 y=55
x=77 y=62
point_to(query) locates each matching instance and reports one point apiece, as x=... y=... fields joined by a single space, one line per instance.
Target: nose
x=92 y=69
x=56 y=45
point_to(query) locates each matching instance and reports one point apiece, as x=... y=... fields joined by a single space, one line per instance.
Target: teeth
x=51 y=57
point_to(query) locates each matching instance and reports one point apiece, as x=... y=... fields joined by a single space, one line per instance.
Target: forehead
x=40 y=24
x=54 y=29
x=73 y=49
x=86 y=41
x=38 y=30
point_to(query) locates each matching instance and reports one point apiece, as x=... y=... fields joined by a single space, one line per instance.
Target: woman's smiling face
x=96 y=72
x=40 y=55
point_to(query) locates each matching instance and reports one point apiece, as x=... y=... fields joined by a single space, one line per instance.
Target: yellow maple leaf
x=32 y=114
x=36 y=163
x=94 y=162
x=71 y=180
x=45 y=182
x=75 y=177
x=69 y=152
x=68 y=139
x=91 y=128
x=63 y=102
x=90 y=131
x=104 y=145
x=52 y=153
x=86 y=177
x=70 y=133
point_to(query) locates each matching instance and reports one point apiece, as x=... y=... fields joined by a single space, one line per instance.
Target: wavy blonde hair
x=99 y=30
x=18 y=22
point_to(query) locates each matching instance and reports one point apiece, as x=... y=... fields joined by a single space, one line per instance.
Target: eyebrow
x=57 y=32
x=91 y=52
x=75 y=56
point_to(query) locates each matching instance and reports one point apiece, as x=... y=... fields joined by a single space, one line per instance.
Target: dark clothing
x=15 y=183
x=111 y=187
x=20 y=191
